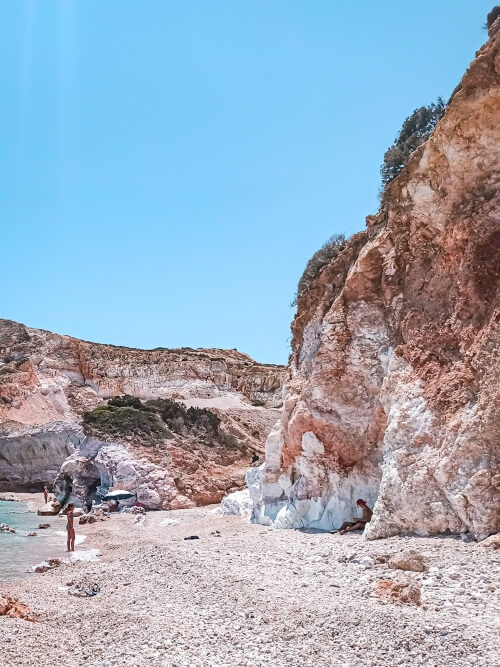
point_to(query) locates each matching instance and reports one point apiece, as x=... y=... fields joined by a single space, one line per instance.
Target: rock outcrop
x=10 y=606
x=48 y=381
x=394 y=392
x=31 y=456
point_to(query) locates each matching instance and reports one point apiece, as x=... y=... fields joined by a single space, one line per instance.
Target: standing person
x=46 y=494
x=70 y=543
x=356 y=523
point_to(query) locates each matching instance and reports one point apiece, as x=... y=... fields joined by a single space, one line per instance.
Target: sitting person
x=356 y=523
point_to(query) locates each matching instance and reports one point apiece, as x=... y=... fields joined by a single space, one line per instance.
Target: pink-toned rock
x=491 y=542
x=49 y=381
x=403 y=591
x=394 y=391
x=409 y=560
x=10 y=606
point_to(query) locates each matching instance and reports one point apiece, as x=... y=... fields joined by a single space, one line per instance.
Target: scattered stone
x=84 y=589
x=409 y=560
x=359 y=559
x=42 y=526
x=230 y=602
x=9 y=498
x=192 y=537
x=10 y=606
x=93 y=517
x=32 y=534
x=5 y=528
x=169 y=522
x=382 y=558
x=491 y=542
x=134 y=510
x=404 y=591
x=41 y=567
x=50 y=509
x=46 y=565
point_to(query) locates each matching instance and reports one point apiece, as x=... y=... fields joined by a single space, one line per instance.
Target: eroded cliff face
x=395 y=369
x=48 y=381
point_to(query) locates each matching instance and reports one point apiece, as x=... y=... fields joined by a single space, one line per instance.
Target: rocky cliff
x=395 y=369
x=48 y=382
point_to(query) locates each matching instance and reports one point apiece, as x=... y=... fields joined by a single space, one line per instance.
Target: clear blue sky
x=168 y=167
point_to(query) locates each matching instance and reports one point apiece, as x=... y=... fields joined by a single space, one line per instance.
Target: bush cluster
x=320 y=259
x=127 y=415
x=124 y=421
x=492 y=16
x=184 y=420
x=416 y=129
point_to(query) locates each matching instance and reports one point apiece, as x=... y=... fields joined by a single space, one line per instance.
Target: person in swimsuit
x=45 y=494
x=356 y=523
x=70 y=527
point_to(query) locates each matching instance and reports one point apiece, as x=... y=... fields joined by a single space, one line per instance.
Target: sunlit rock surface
x=48 y=381
x=395 y=368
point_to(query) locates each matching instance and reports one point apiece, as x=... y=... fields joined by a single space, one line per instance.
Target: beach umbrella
x=118 y=494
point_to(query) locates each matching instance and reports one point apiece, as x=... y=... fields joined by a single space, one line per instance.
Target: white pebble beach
x=253 y=596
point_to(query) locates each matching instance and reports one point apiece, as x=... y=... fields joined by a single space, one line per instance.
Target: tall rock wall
x=29 y=460
x=48 y=381
x=394 y=395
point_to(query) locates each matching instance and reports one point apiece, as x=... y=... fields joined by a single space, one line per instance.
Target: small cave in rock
x=83 y=485
x=63 y=488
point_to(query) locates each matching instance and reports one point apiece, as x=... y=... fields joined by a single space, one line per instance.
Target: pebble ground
x=252 y=596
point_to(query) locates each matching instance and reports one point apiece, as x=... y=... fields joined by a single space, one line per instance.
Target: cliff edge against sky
x=394 y=393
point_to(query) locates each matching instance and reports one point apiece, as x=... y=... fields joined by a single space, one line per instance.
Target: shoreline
x=245 y=594
x=56 y=534
x=34 y=500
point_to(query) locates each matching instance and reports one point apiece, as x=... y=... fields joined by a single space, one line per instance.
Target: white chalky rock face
x=238 y=502
x=394 y=389
x=103 y=464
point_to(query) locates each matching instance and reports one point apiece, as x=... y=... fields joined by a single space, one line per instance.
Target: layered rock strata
x=395 y=368
x=48 y=381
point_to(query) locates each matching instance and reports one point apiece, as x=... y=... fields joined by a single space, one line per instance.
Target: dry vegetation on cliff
x=156 y=421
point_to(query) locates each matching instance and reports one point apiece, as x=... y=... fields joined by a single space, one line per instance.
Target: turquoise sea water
x=18 y=553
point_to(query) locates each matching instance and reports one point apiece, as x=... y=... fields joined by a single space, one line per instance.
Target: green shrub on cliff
x=320 y=259
x=416 y=129
x=155 y=420
x=127 y=401
x=492 y=17
x=110 y=420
